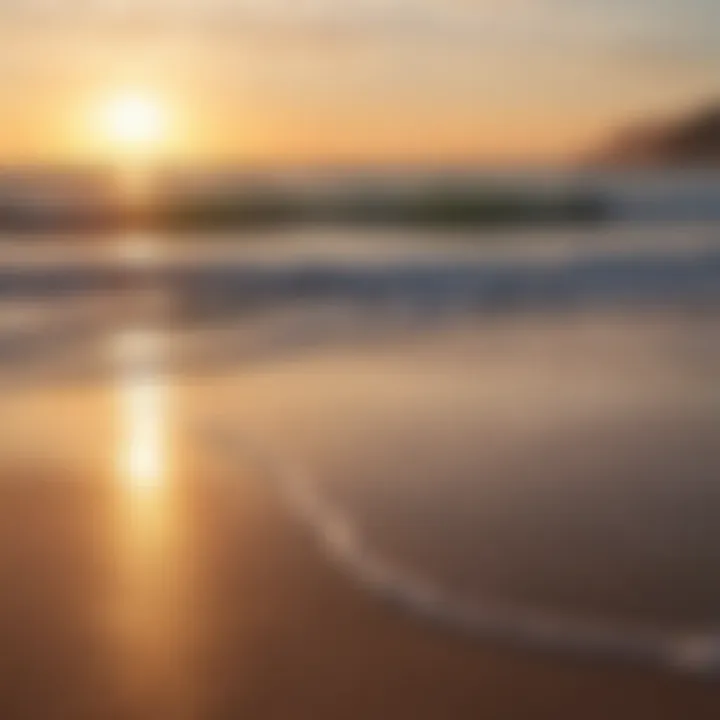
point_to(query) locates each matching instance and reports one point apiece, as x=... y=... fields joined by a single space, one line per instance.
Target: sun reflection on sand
x=150 y=602
x=143 y=397
x=144 y=452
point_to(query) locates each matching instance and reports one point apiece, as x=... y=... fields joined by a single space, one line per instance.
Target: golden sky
x=498 y=80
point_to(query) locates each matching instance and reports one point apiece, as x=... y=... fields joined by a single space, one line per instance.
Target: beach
x=235 y=611
x=414 y=508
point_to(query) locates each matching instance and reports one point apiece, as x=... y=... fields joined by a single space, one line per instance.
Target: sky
x=336 y=80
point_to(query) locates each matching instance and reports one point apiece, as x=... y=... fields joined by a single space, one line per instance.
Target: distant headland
x=691 y=140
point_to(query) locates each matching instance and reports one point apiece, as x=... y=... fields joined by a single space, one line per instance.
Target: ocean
x=511 y=434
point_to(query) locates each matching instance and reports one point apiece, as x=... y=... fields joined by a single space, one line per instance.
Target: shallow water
x=519 y=443
x=554 y=477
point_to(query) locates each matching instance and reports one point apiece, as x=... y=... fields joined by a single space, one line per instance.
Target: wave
x=345 y=544
x=489 y=283
x=573 y=277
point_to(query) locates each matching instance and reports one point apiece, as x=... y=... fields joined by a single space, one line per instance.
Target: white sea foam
x=350 y=549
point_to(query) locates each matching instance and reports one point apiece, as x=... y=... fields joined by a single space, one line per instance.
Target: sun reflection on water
x=150 y=603
x=143 y=396
x=144 y=452
x=138 y=250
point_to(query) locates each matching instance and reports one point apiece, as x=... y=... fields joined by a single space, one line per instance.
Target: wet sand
x=149 y=571
x=210 y=602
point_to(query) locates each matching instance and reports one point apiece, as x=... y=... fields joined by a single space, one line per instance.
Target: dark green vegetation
x=433 y=208
x=250 y=204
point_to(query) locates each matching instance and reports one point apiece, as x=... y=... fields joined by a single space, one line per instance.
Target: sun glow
x=134 y=122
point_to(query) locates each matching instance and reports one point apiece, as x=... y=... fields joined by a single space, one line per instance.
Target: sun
x=134 y=122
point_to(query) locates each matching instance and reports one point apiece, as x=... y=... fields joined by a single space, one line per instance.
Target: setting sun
x=134 y=122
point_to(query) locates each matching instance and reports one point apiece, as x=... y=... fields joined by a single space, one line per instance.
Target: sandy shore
x=150 y=572
x=192 y=592
x=224 y=608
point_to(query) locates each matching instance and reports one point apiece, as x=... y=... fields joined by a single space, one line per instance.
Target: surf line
x=343 y=542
